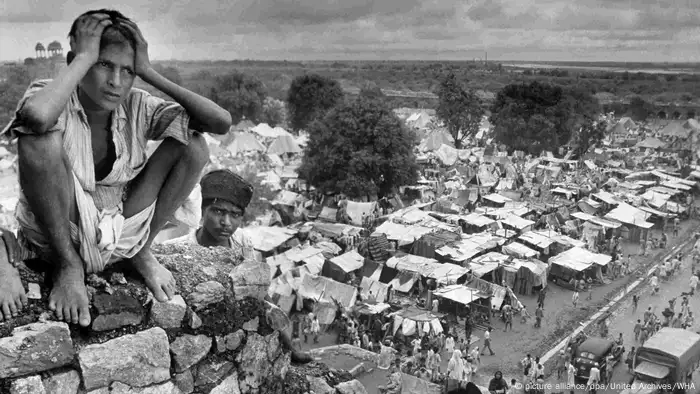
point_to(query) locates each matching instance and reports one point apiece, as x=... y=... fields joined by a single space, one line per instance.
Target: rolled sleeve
x=18 y=126
x=162 y=119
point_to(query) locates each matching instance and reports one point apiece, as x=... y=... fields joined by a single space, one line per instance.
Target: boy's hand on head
x=142 y=63
x=88 y=35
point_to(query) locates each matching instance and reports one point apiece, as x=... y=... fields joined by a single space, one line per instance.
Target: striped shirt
x=139 y=118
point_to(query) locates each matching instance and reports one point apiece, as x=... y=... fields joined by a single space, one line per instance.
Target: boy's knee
x=197 y=152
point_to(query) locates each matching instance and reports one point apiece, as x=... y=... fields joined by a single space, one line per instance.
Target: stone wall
x=217 y=336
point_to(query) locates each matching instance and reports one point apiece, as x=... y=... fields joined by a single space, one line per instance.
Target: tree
x=535 y=117
x=241 y=94
x=639 y=109
x=371 y=90
x=459 y=109
x=359 y=149
x=589 y=135
x=310 y=97
x=274 y=112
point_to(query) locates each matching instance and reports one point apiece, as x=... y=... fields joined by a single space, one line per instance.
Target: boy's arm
x=205 y=115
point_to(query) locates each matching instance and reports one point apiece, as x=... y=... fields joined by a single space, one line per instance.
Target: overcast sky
x=590 y=30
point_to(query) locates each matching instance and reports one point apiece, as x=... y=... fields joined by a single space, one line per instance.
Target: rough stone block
x=137 y=360
x=121 y=388
x=184 y=381
x=211 y=372
x=230 y=385
x=168 y=314
x=252 y=325
x=254 y=363
x=28 y=385
x=116 y=310
x=319 y=385
x=205 y=294
x=352 y=387
x=66 y=382
x=233 y=340
x=250 y=279
x=188 y=350
x=34 y=348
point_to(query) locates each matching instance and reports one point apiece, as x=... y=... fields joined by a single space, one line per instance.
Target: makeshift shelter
x=283 y=145
x=378 y=289
x=576 y=262
x=634 y=219
x=413 y=321
x=325 y=290
x=651 y=143
x=519 y=250
x=675 y=129
x=426 y=245
x=339 y=267
x=267 y=239
x=264 y=130
x=419 y=120
x=356 y=211
x=243 y=143
x=525 y=276
x=434 y=140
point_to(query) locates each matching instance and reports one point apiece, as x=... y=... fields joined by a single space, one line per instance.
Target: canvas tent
x=283 y=144
x=578 y=259
x=244 y=142
x=339 y=267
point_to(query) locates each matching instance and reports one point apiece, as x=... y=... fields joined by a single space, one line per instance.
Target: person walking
x=539 y=314
x=315 y=328
x=570 y=377
x=487 y=342
x=574 y=297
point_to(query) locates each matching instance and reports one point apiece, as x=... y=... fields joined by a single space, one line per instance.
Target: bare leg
x=45 y=176
x=169 y=177
x=12 y=296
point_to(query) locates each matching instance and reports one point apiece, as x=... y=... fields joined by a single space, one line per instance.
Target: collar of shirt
x=118 y=116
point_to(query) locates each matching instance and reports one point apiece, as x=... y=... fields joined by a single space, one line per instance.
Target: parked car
x=593 y=352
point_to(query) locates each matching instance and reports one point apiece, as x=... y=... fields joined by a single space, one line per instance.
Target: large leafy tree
x=589 y=135
x=360 y=149
x=535 y=117
x=241 y=94
x=274 y=112
x=310 y=97
x=459 y=109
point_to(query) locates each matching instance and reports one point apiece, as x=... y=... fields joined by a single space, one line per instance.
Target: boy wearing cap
x=225 y=197
x=90 y=194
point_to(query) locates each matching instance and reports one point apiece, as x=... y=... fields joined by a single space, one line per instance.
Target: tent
x=283 y=144
x=325 y=290
x=244 y=142
x=435 y=140
x=651 y=143
x=675 y=129
x=419 y=120
x=339 y=267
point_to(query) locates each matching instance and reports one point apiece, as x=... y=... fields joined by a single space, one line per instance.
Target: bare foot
x=68 y=298
x=158 y=279
x=12 y=295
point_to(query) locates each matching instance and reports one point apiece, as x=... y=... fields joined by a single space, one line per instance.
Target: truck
x=666 y=362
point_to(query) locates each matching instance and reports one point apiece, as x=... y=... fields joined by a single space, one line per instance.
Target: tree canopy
x=310 y=97
x=589 y=135
x=274 y=112
x=459 y=109
x=535 y=117
x=241 y=94
x=359 y=149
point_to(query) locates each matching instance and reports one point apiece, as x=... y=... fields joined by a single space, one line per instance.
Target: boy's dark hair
x=116 y=33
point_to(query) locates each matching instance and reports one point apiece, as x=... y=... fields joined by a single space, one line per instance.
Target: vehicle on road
x=666 y=362
x=593 y=352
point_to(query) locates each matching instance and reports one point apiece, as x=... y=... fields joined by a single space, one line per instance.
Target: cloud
x=351 y=29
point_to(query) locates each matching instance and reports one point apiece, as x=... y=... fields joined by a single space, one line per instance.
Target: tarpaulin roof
x=283 y=144
x=470 y=245
x=447 y=154
x=537 y=239
x=579 y=259
x=355 y=210
x=404 y=234
x=264 y=130
x=517 y=222
x=459 y=293
x=266 y=238
x=625 y=213
x=519 y=250
x=595 y=220
x=675 y=129
x=288 y=198
x=482 y=265
x=651 y=143
x=379 y=290
x=349 y=262
x=322 y=289
x=497 y=198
